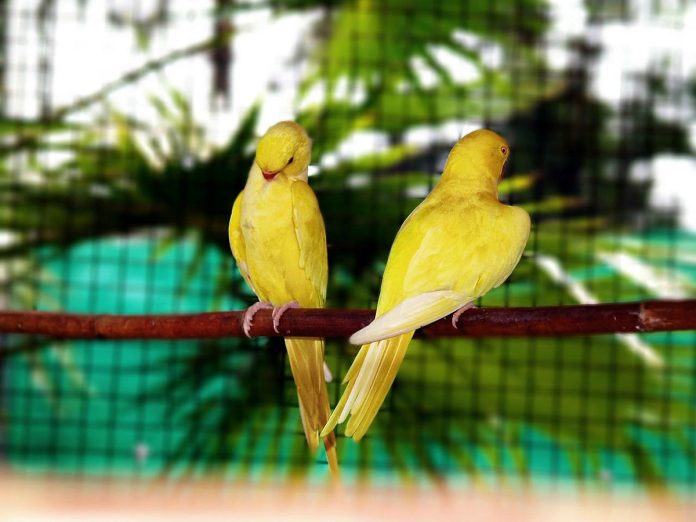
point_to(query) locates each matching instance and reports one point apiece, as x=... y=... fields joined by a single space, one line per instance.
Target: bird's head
x=284 y=149
x=485 y=150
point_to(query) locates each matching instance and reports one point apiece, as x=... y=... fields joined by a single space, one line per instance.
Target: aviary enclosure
x=127 y=129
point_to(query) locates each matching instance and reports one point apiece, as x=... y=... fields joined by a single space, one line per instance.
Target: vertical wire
x=4 y=285
x=18 y=446
x=446 y=436
x=530 y=389
x=46 y=27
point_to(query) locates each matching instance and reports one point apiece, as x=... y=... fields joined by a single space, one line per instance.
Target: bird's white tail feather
x=410 y=314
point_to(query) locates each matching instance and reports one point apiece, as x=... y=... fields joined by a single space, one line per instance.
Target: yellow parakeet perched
x=458 y=244
x=278 y=239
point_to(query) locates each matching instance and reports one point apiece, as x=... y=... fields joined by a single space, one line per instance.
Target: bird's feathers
x=277 y=236
x=237 y=239
x=458 y=244
x=464 y=244
x=431 y=257
x=305 y=355
x=311 y=237
x=439 y=262
x=369 y=380
x=410 y=314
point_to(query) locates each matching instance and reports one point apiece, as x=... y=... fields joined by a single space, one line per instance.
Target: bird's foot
x=459 y=312
x=249 y=314
x=278 y=313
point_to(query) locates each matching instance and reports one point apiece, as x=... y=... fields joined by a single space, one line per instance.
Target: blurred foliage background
x=127 y=129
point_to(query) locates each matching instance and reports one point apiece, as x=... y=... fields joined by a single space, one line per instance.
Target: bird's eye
x=291 y=160
x=504 y=150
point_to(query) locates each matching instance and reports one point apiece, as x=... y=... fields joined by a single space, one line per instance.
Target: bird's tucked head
x=481 y=153
x=284 y=149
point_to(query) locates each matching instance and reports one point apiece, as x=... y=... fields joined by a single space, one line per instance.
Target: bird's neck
x=467 y=177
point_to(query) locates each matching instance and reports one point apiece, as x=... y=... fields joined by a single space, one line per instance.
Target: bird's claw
x=459 y=312
x=249 y=314
x=278 y=313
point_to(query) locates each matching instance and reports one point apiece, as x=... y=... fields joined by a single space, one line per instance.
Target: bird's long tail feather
x=307 y=364
x=384 y=343
x=369 y=380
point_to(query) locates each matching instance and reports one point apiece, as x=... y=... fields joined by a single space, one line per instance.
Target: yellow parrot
x=458 y=244
x=278 y=239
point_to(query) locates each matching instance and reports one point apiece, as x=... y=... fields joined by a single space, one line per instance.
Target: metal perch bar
x=647 y=316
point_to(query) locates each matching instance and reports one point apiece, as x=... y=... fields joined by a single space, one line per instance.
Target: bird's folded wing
x=410 y=314
x=311 y=237
x=494 y=265
x=433 y=270
x=237 y=239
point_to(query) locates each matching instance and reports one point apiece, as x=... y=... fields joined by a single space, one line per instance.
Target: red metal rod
x=647 y=316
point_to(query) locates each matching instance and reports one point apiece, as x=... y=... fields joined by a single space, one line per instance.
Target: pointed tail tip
x=332 y=458
x=357 y=437
x=328 y=429
x=357 y=432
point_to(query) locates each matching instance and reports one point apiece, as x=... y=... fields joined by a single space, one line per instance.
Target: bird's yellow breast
x=271 y=243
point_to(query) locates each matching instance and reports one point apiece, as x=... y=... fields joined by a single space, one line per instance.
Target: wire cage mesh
x=128 y=128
